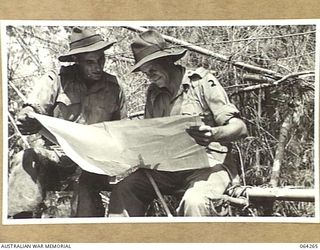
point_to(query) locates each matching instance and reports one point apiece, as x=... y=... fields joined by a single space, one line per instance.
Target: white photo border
x=6 y=221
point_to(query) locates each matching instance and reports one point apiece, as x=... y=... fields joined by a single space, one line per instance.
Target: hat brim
x=176 y=54
x=102 y=45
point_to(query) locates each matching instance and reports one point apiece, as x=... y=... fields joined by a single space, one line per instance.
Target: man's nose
x=98 y=68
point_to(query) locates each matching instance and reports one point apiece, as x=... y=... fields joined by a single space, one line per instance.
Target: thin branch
x=26 y=48
x=246 y=45
x=121 y=58
x=266 y=37
x=24 y=77
x=18 y=131
x=23 y=98
x=279 y=58
x=39 y=38
x=269 y=134
x=257 y=38
x=276 y=83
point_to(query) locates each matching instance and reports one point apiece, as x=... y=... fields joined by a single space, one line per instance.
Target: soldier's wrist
x=215 y=133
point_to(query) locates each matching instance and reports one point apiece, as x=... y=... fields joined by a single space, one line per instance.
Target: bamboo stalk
x=287 y=194
x=273 y=193
x=203 y=51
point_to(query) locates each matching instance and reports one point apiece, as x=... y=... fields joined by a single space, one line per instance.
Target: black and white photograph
x=174 y=121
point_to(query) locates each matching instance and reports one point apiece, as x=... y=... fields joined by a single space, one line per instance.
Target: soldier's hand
x=26 y=123
x=203 y=134
x=206 y=118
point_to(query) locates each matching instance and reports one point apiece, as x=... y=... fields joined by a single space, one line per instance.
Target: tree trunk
x=284 y=132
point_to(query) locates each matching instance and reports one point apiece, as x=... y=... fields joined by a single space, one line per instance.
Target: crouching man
x=81 y=93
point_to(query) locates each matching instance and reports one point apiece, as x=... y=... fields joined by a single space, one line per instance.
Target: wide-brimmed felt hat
x=149 y=46
x=83 y=41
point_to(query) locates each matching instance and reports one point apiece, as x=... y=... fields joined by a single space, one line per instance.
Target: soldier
x=81 y=93
x=175 y=90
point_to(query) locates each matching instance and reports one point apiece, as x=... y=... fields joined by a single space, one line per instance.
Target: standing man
x=175 y=90
x=81 y=93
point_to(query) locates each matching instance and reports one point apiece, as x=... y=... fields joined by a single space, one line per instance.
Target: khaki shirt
x=66 y=96
x=200 y=93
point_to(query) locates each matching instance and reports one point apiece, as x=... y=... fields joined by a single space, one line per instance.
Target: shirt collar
x=186 y=81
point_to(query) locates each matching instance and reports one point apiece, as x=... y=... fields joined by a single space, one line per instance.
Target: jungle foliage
x=284 y=49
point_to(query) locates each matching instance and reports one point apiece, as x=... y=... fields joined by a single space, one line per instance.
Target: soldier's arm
x=40 y=100
x=229 y=126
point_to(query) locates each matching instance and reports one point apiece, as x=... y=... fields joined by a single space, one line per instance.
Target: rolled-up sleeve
x=218 y=102
x=44 y=93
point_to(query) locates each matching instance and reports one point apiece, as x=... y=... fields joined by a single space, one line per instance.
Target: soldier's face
x=157 y=72
x=91 y=65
